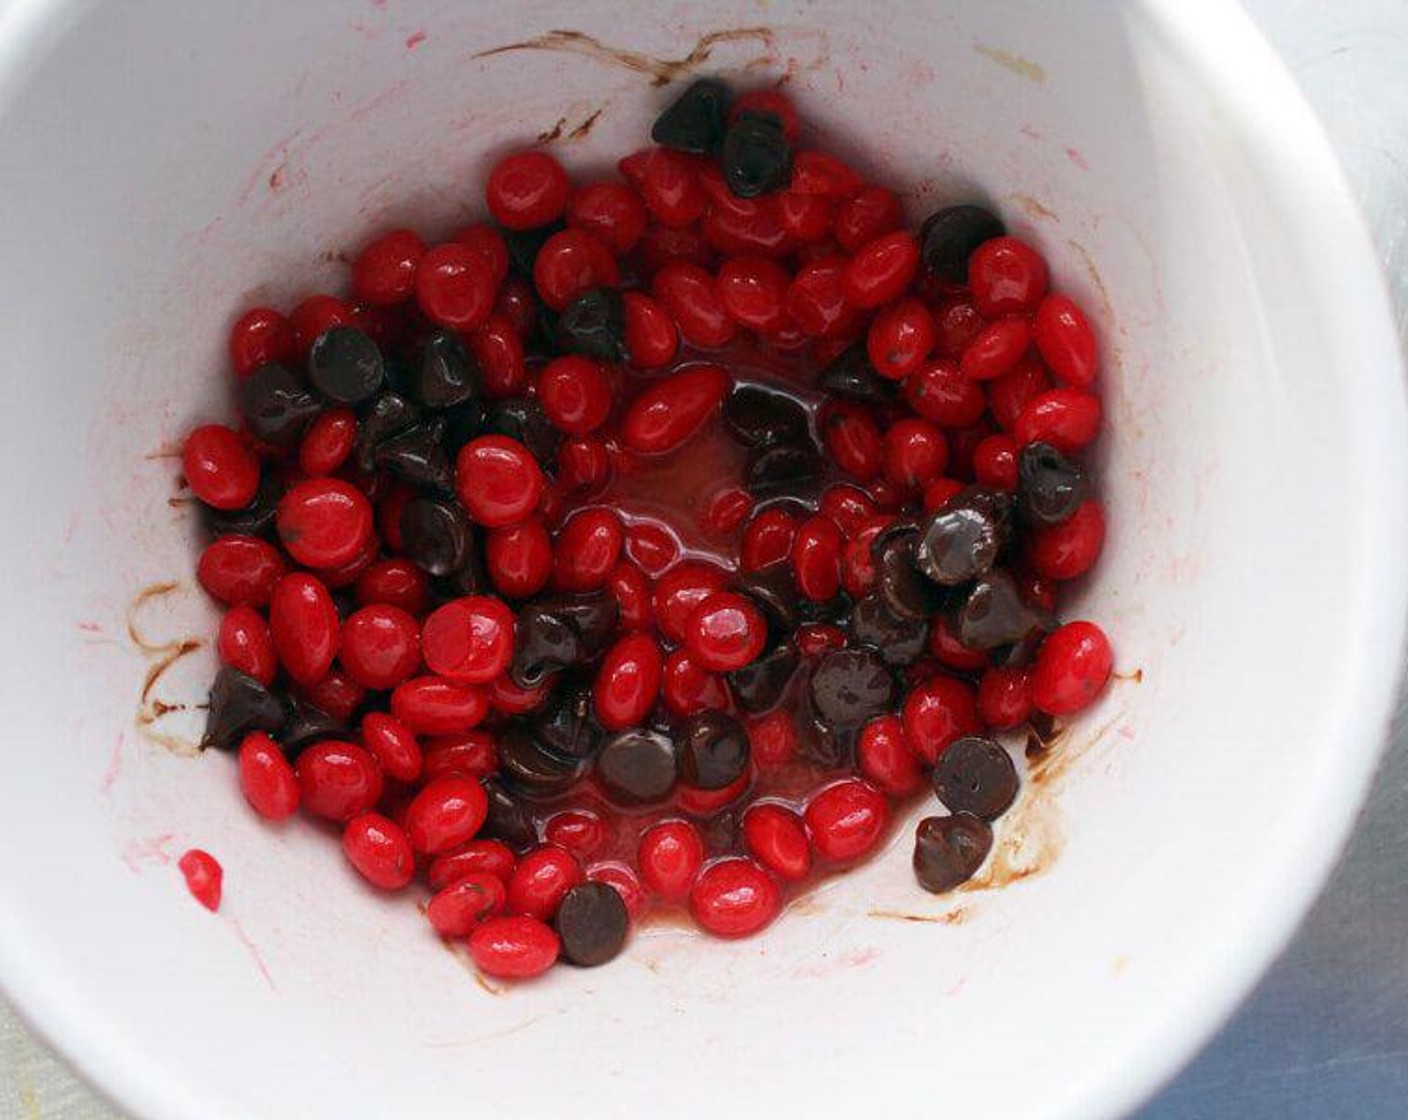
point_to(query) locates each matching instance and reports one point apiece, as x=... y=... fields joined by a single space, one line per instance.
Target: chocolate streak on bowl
x=161 y=656
x=662 y=71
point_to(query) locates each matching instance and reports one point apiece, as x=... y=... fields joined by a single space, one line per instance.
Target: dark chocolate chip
x=975 y=775
x=255 y=519
x=695 y=121
x=594 y=324
x=755 y=416
x=835 y=610
x=852 y=376
x=831 y=748
x=637 y=767
x=759 y=686
x=995 y=614
x=418 y=456
x=239 y=704
x=949 y=850
x=566 y=721
x=774 y=589
x=523 y=419
x=1049 y=486
x=523 y=245
x=277 y=405
x=592 y=615
x=755 y=156
x=530 y=768
x=962 y=539
x=385 y=417
x=899 y=641
x=783 y=467
x=899 y=583
x=435 y=535
x=462 y=424
x=544 y=643
x=445 y=375
x=400 y=374
x=713 y=750
x=305 y=725
x=592 y=922
x=345 y=365
x=472 y=576
x=850 y=686
x=948 y=237
x=508 y=819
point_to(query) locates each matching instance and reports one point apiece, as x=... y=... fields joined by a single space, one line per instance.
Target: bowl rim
x=1221 y=42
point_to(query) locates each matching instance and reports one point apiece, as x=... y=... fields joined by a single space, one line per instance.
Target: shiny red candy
x=498 y=481
x=220 y=469
x=734 y=898
x=469 y=639
x=378 y=849
x=380 y=646
x=669 y=857
x=337 y=780
x=526 y=190
x=725 y=632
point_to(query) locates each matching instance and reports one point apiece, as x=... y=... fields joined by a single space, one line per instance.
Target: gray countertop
x=1325 y=1034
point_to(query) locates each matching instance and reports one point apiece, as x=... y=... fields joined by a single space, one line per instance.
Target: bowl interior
x=164 y=169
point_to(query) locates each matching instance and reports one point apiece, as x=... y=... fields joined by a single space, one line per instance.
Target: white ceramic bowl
x=163 y=165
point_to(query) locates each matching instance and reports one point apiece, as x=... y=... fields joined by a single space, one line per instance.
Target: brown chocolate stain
x=1033 y=208
x=661 y=71
x=1094 y=273
x=1023 y=67
x=152 y=710
x=584 y=129
x=461 y=954
x=949 y=918
x=553 y=133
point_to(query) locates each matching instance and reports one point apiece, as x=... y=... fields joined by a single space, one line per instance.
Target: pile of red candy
x=649 y=545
